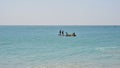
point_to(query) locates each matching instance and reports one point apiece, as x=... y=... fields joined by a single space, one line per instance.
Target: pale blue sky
x=59 y=12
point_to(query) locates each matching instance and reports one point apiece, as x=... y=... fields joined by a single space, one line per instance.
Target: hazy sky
x=59 y=12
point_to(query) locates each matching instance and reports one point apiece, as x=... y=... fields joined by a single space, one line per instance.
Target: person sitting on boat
x=74 y=34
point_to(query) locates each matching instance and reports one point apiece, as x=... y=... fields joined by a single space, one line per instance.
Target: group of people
x=61 y=33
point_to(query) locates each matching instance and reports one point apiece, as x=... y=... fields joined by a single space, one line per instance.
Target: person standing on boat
x=63 y=33
x=60 y=32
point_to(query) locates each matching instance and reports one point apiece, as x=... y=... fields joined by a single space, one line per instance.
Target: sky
x=59 y=12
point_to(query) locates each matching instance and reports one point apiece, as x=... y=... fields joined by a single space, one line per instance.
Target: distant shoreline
x=60 y=25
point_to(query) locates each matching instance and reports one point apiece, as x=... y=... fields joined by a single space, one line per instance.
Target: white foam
x=104 y=48
x=76 y=65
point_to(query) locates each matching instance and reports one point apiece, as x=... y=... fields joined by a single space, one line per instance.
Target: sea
x=41 y=47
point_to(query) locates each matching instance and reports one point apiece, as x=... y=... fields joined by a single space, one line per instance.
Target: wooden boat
x=70 y=35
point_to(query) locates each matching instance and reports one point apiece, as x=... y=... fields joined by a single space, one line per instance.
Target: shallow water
x=41 y=47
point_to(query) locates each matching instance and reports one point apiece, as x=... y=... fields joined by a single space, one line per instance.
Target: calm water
x=41 y=47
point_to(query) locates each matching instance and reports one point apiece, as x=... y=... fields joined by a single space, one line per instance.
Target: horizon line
x=58 y=25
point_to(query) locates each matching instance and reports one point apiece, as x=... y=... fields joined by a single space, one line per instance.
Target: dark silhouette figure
x=60 y=32
x=74 y=34
x=63 y=33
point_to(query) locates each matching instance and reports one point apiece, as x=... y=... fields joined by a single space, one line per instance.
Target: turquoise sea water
x=41 y=47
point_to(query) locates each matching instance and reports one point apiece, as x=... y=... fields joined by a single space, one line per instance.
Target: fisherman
x=63 y=33
x=74 y=34
x=60 y=32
